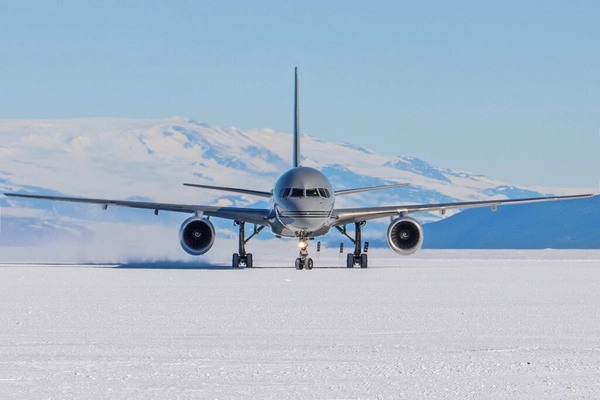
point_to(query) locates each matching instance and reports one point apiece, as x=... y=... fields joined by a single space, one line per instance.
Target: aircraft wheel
x=298 y=263
x=235 y=262
x=249 y=260
x=350 y=260
x=309 y=263
x=363 y=260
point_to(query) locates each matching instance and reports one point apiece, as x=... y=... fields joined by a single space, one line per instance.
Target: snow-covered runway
x=443 y=324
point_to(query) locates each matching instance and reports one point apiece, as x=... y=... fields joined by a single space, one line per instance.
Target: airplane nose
x=303 y=218
x=309 y=223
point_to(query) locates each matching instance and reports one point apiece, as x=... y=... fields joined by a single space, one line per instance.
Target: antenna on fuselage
x=297 y=156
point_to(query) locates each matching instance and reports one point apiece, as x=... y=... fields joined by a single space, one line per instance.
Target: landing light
x=303 y=245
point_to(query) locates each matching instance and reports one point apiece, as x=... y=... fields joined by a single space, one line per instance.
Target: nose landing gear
x=304 y=261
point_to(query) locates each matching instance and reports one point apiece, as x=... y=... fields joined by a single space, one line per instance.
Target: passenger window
x=297 y=192
x=312 y=193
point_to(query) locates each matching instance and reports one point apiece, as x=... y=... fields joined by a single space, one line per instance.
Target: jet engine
x=405 y=236
x=196 y=235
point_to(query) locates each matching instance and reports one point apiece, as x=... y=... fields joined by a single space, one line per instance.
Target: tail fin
x=297 y=156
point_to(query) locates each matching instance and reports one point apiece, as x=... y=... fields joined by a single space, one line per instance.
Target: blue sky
x=508 y=89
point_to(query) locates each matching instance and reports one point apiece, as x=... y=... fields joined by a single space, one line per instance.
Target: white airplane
x=303 y=208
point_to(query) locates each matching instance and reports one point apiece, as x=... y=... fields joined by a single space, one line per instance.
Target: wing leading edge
x=259 y=216
x=348 y=215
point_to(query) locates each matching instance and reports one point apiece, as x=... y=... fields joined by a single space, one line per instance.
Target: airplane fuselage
x=303 y=201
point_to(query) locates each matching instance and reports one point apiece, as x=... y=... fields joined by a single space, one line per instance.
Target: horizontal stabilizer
x=368 y=189
x=231 y=189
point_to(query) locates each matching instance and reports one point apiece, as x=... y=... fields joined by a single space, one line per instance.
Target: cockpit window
x=297 y=192
x=312 y=192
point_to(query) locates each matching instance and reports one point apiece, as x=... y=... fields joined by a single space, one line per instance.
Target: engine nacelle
x=196 y=235
x=405 y=236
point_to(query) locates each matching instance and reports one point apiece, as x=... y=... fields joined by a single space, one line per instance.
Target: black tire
x=249 y=260
x=363 y=260
x=309 y=263
x=298 y=263
x=235 y=262
x=350 y=260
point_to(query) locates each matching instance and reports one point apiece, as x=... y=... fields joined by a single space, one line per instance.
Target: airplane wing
x=349 y=215
x=258 y=216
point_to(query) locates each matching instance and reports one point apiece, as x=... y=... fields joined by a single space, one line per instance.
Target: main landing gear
x=358 y=257
x=304 y=261
x=241 y=257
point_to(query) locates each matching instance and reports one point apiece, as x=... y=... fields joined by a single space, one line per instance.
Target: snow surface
x=443 y=324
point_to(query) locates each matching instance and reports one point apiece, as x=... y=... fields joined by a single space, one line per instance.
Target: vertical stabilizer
x=297 y=156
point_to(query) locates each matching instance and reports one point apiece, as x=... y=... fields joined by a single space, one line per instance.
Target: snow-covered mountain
x=572 y=224
x=150 y=159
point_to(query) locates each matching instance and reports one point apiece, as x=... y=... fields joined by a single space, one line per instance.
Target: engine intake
x=405 y=236
x=196 y=235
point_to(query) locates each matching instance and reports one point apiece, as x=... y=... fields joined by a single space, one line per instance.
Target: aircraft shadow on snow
x=184 y=265
x=175 y=265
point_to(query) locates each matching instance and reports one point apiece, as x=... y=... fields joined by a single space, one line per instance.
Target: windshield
x=297 y=192
x=312 y=192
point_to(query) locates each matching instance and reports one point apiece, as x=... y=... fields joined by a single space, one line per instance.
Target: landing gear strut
x=303 y=260
x=241 y=257
x=358 y=257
